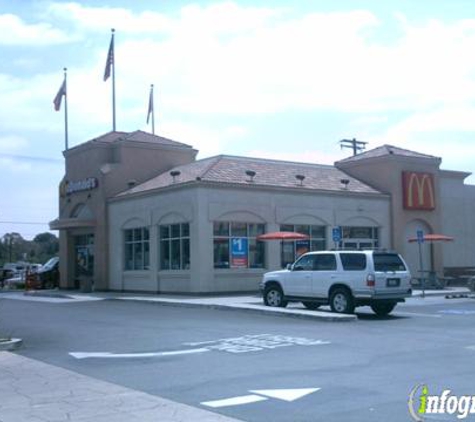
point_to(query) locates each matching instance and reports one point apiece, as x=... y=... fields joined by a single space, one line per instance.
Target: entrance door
x=84 y=247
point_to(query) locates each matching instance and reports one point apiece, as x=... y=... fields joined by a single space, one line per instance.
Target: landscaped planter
x=10 y=344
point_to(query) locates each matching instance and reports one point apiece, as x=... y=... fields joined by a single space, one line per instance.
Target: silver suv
x=342 y=279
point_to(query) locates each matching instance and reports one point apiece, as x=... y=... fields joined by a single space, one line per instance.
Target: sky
x=272 y=79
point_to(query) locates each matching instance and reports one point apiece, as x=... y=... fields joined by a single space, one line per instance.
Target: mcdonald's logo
x=418 y=191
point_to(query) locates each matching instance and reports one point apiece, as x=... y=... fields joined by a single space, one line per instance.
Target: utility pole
x=10 y=244
x=356 y=146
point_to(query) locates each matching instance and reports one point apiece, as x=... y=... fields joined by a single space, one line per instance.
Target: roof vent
x=300 y=178
x=175 y=174
x=251 y=175
x=345 y=183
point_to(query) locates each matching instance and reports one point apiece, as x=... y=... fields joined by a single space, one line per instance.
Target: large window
x=137 y=249
x=359 y=238
x=295 y=248
x=236 y=246
x=175 y=246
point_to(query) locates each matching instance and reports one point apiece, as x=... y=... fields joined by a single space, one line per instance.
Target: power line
x=24 y=222
x=30 y=158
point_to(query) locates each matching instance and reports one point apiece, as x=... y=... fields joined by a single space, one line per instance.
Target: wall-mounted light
x=175 y=174
x=300 y=178
x=251 y=175
x=345 y=183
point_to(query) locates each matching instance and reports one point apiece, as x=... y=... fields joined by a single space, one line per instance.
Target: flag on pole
x=110 y=59
x=59 y=96
x=150 y=104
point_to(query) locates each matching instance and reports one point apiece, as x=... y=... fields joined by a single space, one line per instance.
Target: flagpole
x=66 y=109
x=113 y=80
x=153 y=109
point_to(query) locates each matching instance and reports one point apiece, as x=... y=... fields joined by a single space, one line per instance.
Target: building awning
x=70 y=223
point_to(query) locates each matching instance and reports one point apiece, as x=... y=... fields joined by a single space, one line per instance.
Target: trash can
x=85 y=284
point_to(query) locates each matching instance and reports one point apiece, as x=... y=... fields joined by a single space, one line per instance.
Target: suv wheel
x=382 y=309
x=341 y=301
x=313 y=306
x=273 y=296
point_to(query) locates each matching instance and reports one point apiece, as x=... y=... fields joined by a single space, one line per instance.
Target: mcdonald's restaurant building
x=139 y=212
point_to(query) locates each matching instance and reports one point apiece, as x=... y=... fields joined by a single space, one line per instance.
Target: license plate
x=393 y=282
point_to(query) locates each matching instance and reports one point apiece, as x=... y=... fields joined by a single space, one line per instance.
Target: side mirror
x=289 y=267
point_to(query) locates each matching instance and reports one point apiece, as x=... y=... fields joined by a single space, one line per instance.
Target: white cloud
x=219 y=18
x=308 y=156
x=17 y=32
x=209 y=141
x=12 y=143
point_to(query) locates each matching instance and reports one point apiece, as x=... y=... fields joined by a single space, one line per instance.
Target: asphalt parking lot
x=256 y=367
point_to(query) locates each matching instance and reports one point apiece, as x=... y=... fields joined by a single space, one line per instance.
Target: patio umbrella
x=282 y=236
x=431 y=238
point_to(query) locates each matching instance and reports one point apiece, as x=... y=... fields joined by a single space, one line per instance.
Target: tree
x=14 y=248
x=45 y=246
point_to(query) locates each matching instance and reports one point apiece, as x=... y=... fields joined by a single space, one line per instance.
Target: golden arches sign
x=418 y=191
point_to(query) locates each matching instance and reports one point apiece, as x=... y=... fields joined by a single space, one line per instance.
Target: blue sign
x=336 y=234
x=239 y=247
x=420 y=236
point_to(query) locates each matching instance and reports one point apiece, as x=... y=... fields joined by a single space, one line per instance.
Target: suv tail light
x=370 y=280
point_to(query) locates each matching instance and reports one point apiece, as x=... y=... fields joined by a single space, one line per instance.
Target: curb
x=12 y=344
x=281 y=312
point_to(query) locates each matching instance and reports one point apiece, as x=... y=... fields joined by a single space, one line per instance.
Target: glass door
x=84 y=248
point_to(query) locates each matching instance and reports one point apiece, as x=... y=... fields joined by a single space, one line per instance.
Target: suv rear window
x=388 y=262
x=353 y=261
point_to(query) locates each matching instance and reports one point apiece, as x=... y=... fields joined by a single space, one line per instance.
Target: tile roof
x=386 y=150
x=226 y=169
x=136 y=136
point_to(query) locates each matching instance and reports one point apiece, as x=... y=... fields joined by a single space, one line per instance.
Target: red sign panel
x=418 y=191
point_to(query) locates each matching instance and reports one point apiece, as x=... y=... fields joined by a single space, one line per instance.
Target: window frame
x=308 y=229
x=138 y=246
x=177 y=244
x=223 y=234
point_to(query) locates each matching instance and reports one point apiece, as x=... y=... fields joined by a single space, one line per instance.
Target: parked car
x=5 y=274
x=341 y=279
x=48 y=274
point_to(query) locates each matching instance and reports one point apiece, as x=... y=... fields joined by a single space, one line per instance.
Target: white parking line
x=234 y=401
x=108 y=355
x=416 y=314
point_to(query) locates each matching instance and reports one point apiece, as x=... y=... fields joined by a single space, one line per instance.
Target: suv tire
x=382 y=309
x=341 y=301
x=273 y=296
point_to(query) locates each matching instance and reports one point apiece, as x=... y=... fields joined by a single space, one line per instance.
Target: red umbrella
x=433 y=238
x=282 y=236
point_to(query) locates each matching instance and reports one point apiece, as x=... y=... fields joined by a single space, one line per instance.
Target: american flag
x=110 y=60
x=59 y=96
x=150 y=104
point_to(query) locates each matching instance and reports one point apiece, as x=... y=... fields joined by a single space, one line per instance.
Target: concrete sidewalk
x=32 y=391
x=247 y=303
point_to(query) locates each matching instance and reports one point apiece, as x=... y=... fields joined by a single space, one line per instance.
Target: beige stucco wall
x=201 y=205
x=385 y=174
x=458 y=219
x=114 y=165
